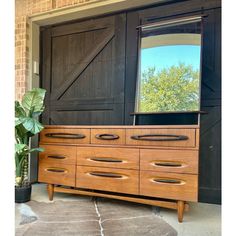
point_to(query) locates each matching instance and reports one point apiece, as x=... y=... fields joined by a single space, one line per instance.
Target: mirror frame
x=162 y=24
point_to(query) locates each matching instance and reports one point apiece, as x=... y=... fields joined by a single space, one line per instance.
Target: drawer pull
x=56 y=157
x=168 y=164
x=58 y=170
x=108 y=175
x=107 y=136
x=105 y=159
x=65 y=135
x=159 y=137
x=168 y=181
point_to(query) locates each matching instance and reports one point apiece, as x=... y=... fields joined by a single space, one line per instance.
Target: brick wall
x=24 y=9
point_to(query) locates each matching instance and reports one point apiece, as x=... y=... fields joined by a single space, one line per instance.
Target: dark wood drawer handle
x=105 y=159
x=58 y=170
x=159 y=137
x=56 y=157
x=168 y=181
x=107 y=175
x=168 y=164
x=107 y=136
x=65 y=135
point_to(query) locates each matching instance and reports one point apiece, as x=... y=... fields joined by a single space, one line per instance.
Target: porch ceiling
x=85 y=10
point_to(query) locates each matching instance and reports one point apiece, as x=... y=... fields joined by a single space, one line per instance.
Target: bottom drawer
x=57 y=174
x=169 y=185
x=107 y=179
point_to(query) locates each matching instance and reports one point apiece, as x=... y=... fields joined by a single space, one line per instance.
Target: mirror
x=169 y=67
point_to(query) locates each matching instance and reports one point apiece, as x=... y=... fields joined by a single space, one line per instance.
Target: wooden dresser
x=156 y=165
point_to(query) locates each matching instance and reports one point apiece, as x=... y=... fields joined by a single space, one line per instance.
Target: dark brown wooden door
x=210 y=136
x=83 y=72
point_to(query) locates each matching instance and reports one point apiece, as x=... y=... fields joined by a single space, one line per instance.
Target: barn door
x=210 y=137
x=83 y=67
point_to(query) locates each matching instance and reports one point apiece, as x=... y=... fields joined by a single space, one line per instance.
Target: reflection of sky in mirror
x=166 y=56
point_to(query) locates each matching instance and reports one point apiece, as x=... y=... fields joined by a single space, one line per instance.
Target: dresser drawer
x=64 y=136
x=58 y=154
x=169 y=185
x=108 y=136
x=107 y=179
x=161 y=137
x=56 y=174
x=177 y=161
x=127 y=158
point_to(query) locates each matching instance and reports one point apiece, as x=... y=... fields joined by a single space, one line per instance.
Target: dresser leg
x=180 y=208
x=50 y=191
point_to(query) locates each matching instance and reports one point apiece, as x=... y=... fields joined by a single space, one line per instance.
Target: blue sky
x=166 y=56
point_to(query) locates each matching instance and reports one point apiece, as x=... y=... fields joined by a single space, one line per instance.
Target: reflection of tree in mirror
x=171 y=89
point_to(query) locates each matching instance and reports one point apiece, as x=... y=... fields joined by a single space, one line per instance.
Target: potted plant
x=26 y=126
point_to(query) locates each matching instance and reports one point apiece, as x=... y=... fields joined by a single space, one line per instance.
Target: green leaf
x=33 y=100
x=32 y=125
x=36 y=150
x=18 y=121
x=19 y=147
x=19 y=110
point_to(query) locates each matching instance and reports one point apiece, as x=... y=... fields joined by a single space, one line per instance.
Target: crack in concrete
x=99 y=216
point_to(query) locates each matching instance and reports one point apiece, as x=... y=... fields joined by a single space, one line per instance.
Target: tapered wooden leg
x=50 y=191
x=180 y=207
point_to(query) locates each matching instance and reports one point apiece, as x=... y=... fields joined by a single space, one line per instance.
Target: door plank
x=101 y=42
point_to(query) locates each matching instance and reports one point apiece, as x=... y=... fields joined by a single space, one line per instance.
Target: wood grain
x=57 y=154
x=180 y=208
x=45 y=139
x=190 y=133
x=119 y=132
x=50 y=189
x=122 y=126
x=128 y=183
x=129 y=158
x=142 y=200
x=67 y=177
x=186 y=191
x=155 y=160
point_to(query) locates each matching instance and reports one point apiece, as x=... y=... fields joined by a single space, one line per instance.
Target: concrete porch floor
x=201 y=220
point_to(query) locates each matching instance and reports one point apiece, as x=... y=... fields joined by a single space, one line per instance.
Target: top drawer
x=161 y=137
x=71 y=136
x=108 y=136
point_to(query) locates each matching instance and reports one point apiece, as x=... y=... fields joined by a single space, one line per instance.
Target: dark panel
x=131 y=64
x=210 y=155
x=86 y=73
x=177 y=8
x=89 y=115
x=70 y=75
x=211 y=61
x=33 y=163
x=46 y=71
x=210 y=134
x=167 y=119
x=210 y=195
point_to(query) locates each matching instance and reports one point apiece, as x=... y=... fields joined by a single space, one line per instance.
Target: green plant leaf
x=26 y=126
x=32 y=125
x=36 y=150
x=18 y=121
x=19 y=110
x=19 y=147
x=33 y=100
